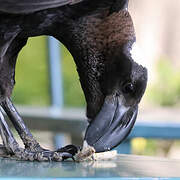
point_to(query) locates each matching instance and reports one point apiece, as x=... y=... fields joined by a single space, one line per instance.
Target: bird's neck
x=92 y=41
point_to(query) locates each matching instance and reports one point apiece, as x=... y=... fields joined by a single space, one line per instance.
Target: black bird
x=100 y=35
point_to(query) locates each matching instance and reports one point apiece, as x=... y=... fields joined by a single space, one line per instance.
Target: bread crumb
x=88 y=154
x=105 y=155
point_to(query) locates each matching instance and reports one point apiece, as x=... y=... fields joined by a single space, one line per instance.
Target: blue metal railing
x=153 y=130
x=56 y=80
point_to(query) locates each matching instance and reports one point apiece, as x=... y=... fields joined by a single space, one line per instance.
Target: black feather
x=119 y=5
x=30 y=6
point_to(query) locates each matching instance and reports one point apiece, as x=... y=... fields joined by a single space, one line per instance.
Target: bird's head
x=122 y=84
x=112 y=81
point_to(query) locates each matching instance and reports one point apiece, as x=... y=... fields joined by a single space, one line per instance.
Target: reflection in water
x=122 y=166
x=56 y=169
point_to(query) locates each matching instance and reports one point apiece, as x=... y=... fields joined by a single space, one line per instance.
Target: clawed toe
x=58 y=155
x=69 y=151
x=26 y=155
x=47 y=156
x=42 y=156
x=32 y=152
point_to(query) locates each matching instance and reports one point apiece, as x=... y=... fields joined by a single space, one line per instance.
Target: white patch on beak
x=137 y=55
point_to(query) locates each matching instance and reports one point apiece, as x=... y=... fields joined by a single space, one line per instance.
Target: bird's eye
x=128 y=88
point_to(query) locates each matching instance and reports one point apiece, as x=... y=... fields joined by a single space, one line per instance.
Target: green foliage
x=31 y=74
x=32 y=79
x=73 y=94
x=166 y=89
x=142 y=146
x=151 y=147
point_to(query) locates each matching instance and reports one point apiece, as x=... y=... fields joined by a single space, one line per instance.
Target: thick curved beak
x=112 y=125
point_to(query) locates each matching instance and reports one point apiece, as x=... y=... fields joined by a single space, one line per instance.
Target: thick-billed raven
x=100 y=35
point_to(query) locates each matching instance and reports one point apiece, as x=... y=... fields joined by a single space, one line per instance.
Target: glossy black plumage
x=99 y=34
x=30 y=6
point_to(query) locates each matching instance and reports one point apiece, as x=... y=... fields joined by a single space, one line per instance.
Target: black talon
x=66 y=155
x=73 y=159
x=71 y=149
x=68 y=151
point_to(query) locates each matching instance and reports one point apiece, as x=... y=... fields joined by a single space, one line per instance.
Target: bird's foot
x=26 y=155
x=12 y=149
x=46 y=155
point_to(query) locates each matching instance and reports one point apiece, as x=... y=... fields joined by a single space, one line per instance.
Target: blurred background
x=158 y=37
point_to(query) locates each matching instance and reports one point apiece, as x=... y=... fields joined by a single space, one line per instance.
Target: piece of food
x=88 y=154
x=105 y=155
x=85 y=154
